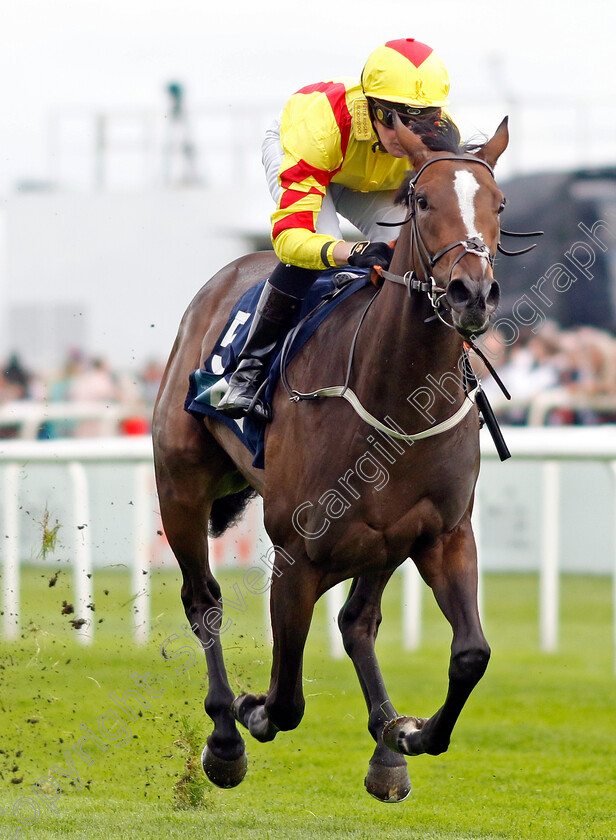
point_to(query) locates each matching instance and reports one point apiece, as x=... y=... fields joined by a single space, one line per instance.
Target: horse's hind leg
x=359 y=620
x=185 y=493
x=450 y=568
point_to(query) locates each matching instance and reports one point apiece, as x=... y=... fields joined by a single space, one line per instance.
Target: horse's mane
x=442 y=137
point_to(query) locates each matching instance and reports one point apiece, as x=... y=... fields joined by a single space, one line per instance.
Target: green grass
x=532 y=756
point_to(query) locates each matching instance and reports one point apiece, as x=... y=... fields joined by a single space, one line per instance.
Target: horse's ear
x=412 y=144
x=496 y=145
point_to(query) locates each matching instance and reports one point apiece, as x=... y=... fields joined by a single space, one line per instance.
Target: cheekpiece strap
x=409 y=280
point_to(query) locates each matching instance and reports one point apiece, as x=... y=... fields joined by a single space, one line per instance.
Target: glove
x=368 y=254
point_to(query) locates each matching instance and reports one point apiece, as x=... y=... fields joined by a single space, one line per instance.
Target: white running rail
x=551 y=446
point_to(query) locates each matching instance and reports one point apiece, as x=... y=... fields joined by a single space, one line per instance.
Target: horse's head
x=454 y=203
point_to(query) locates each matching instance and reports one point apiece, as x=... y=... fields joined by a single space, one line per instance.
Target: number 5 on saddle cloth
x=209 y=382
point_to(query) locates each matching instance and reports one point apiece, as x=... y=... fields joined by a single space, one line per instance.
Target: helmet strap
x=378 y=146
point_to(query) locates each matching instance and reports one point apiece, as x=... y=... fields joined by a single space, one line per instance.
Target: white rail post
x=11 y=551
x=476 y=523
x=613 y=466
x=335 y=598
x=84 y=592
x=267 y=617
x=141 y=555
x=266 y=556
x=549 y=582
x=411 y=605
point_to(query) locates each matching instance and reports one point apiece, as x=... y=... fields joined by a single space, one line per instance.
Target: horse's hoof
x=401 y=735
x=223 y=774
x=244 y=704
x=388 y=784
x=249 y=710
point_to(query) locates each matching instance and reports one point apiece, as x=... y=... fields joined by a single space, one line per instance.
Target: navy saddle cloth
x=209 y=382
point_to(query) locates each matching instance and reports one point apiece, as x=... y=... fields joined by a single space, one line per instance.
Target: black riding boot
x=273 y=318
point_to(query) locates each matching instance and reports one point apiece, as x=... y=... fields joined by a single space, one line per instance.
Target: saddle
x=208 y=383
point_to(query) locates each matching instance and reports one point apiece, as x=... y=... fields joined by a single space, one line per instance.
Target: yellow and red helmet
x=408 y=72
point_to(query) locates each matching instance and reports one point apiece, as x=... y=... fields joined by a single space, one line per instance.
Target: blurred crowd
x=90 y=383
x=555 y=377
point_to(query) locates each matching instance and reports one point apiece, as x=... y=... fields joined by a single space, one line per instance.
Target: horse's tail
x=228 y=510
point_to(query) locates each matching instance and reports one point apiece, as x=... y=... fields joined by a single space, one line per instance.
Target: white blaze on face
x=466 y=186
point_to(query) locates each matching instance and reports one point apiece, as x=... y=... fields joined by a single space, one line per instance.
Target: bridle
x=472 y=245
x=427 y=261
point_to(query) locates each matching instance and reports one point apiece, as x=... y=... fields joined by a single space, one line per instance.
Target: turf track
x=533 y=755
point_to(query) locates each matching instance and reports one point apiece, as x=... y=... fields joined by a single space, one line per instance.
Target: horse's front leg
x=450 y=568
x=292 y=599
x=359 y=620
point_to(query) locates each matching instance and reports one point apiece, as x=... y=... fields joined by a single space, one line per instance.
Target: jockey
x=334 y=150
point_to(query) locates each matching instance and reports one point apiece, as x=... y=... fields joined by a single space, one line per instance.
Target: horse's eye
x=422 y=202
x=501 y=206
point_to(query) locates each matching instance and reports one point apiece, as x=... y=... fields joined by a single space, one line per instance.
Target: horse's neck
x=404 y=351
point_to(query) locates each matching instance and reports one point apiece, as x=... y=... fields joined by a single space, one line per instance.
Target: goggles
x=384 y=113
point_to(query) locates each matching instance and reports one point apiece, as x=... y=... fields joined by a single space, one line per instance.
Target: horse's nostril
x=457 y=293
x=493 y=295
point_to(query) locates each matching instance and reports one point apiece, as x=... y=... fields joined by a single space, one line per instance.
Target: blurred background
x=130 y=143
x=130 y=173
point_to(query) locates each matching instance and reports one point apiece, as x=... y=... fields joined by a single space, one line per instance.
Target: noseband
x=427 y=261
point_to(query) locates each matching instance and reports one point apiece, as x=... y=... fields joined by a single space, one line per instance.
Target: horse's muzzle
x=472 y=303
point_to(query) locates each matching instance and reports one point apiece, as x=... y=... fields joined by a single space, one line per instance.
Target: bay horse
x=325 y=524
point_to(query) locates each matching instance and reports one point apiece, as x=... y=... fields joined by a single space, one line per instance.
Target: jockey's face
x=388 y=139
x=383 y=116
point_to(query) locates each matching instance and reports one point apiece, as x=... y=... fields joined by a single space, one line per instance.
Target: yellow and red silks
x=326 y=138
